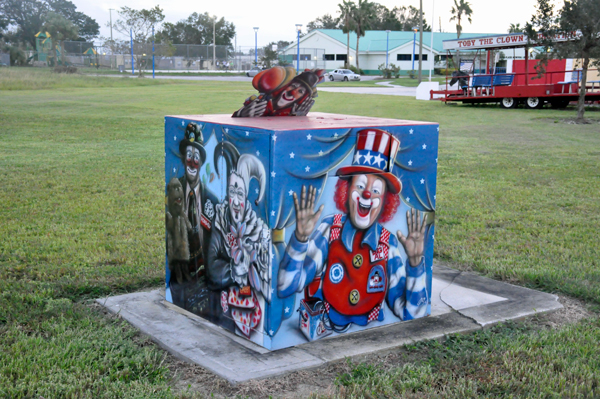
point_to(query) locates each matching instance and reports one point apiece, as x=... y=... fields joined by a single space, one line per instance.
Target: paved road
x=386 y=90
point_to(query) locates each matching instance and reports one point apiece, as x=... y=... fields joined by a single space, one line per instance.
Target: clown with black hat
x=198 y=206
x=350 y=262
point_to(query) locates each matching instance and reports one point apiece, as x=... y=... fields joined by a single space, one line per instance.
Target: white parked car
x=253 y=72
x=343 y=74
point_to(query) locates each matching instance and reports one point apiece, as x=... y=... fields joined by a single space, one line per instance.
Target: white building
x=327 y=48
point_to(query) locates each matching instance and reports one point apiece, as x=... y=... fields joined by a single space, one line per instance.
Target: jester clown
x=238 y=256
x=351 y=262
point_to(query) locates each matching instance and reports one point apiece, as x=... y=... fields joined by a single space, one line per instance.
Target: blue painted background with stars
x=292 y=159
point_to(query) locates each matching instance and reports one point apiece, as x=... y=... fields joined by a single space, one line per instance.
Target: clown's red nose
x=366 y=194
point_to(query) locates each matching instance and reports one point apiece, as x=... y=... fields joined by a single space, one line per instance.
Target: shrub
x=391 y=70
x=356 y=70
x=65 y=69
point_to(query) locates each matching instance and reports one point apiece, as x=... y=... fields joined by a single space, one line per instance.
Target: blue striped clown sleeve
x=303 y=261
x=407 y=291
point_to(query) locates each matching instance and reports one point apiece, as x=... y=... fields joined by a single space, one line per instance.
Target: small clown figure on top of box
x=350 y=262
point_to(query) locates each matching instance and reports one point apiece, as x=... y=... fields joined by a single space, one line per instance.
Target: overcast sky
x=276 y=21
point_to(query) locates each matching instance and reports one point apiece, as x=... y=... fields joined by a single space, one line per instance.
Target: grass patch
x=518 y=198
x=510 y=360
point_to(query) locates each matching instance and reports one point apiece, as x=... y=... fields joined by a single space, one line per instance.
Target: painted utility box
x=290 y=229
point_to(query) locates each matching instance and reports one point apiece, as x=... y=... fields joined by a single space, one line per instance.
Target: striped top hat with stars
x=375 y=152
x=193 y=136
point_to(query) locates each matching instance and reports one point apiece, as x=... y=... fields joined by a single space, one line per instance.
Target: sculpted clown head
x=237 y=197
x=365 y=200
x=293 y=93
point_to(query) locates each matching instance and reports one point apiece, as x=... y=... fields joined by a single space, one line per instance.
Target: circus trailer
x=479 y=80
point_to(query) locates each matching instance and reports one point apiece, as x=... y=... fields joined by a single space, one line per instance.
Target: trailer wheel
x=534 y=102
x=508 y=102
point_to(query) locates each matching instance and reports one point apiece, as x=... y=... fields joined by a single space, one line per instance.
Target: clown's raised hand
x=306 y=217
x=256 y=107
x=414 y=242
x=304 y=107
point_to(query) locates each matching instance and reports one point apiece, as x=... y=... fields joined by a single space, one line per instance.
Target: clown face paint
x=192 y=165
x=237 y=197
x=293 y=93
x=366 y=200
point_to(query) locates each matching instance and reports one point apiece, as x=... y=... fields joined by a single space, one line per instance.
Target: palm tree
x=363 y=13
x=515 y=28
x=460 y=9
x=345 y=10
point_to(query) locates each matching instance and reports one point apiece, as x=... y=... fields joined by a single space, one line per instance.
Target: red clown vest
x=355 y=282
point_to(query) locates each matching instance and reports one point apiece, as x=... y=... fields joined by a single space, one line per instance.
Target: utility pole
x=420 y=41
x=110 y=13
x=214 y=41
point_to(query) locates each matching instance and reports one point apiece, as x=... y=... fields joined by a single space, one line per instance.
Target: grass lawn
x=81 y=157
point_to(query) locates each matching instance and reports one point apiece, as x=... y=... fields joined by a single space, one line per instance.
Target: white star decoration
x=434 y=197
x=335 y=135
x=247 y=133
x=273 y=174
x=256 y=191
x=377 y=160
x=433 y=236
x=368 y=158
x=424 y=146
x=292 y=155
x=411 y=131
x=407 y=199
x=290 y=192
x=272 y=213
x=321 y=153
x=436 y=160
x=409 y=163
x=226 y=130
x=308 y=137
x=174 y=138
x=422 y=181
x=182 y=123
x=357 y=158
x=274 y=137
x=287 y=309
x=438 y=129
x=271 y=332
x=257 y=153
x=307 y=169
x=272 y=290
x=174 y=170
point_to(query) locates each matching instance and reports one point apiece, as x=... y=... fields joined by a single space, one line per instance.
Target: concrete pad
x=460 y=302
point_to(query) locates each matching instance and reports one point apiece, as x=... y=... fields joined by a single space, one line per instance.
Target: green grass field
x=81 y=157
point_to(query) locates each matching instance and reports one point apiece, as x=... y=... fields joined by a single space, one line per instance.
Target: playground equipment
x=559 y=85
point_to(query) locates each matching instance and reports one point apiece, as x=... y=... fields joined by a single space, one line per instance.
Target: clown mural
x=238 y=256
x=189 y=218
x=350 y=266
x=282 y=93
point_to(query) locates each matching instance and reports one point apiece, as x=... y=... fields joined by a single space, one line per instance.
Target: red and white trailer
x=558 y=86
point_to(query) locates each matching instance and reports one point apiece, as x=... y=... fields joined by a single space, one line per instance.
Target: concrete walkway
x=460 y=302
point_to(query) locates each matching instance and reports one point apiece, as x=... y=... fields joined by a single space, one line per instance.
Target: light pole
x=255 y=46
x=387 y=48
x=432 y=60
x=414 y=41
x=298 y=28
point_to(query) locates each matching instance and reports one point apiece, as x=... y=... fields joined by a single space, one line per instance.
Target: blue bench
x=503 y=80
x=480 y=81
x=575 y=78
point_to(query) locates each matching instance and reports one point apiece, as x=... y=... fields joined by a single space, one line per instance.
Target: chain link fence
x=179 y=57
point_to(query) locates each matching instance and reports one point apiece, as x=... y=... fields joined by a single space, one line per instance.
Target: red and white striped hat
x=375 y=152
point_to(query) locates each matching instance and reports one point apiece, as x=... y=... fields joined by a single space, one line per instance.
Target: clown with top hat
x=350 y=262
